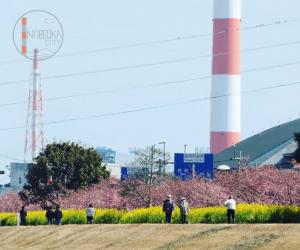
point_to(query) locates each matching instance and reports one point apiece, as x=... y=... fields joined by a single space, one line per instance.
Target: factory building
x=18 y=172
x=274 y=146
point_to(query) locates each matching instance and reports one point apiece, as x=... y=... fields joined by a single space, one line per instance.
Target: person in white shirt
x=90 y=212
x=230 y=204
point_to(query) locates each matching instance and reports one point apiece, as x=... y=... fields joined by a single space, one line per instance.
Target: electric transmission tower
x=35 y=137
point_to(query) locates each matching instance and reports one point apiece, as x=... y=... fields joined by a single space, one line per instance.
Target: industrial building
x=270 y=147
x=18 y=172
x=114 y=160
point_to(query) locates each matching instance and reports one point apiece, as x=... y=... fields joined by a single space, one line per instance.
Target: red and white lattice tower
x=226 y=80
x=35 y=138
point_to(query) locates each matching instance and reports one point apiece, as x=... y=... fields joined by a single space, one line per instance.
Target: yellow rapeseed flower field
x=245 y=213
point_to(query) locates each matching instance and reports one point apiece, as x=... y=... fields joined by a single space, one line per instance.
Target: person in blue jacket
x=58 y=215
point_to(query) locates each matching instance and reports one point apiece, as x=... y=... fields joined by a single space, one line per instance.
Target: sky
x=96 y=24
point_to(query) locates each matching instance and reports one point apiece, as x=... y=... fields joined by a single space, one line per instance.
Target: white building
x=18 y=172
x=122 y=160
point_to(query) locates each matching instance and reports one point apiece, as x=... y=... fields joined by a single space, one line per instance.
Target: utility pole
x=164 y=156
x=164 y=162
x=234 y=155
x=185 y=146
x=193 y=171
x=238 y=159
x=152 y=163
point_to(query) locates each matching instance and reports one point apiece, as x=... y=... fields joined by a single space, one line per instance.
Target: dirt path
x=150 y=236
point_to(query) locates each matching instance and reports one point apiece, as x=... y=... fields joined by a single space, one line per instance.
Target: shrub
x=143 y=215
x=35 y=218
x=8 y=219
x=207 y=215
x=108 y=216
x=73 y=216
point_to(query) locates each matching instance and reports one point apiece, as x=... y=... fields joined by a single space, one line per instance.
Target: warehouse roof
x=255 y=147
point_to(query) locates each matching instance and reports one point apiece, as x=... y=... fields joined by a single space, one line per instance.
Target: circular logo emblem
x=38 y=29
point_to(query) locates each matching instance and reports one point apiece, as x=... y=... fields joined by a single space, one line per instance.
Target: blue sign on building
x=187 y=165
x=127 y=172
x=124 y=173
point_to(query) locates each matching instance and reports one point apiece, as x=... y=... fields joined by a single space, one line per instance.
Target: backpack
x=183 y=207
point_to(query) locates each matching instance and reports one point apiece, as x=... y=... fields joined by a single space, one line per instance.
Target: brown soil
x=149 y=236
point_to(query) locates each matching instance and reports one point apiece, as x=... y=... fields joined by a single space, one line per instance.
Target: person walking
x=58 y=215
x=49 y=215
x=231 y=206
x=168 y=208
x=184 y=210
x=23 y=216
x=90 y=212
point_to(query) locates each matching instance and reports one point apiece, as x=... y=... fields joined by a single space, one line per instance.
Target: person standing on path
x=23 y=216
x=90 y=212
x=49 y=215
x=168 y=208
x=184 y=210
x=230 y=205
x=58 y=215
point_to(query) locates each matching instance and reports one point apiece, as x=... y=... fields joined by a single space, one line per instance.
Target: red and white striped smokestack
x=226 y=80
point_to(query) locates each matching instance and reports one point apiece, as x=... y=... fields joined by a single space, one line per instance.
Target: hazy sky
x=92 y=24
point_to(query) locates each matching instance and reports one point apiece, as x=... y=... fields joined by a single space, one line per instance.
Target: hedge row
x=245 y=213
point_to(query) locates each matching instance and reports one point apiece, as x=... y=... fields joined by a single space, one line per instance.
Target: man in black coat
x=58 y=215
x=168 y=208
x=49 y=215
x=23 y=215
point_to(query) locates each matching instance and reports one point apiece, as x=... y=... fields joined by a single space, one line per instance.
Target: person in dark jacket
x=58 y=215
x=168 y=208
x=49 y=215
x=23 y=216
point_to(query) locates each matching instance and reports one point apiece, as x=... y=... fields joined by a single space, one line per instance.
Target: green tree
x=60 y=169
x=297 y=152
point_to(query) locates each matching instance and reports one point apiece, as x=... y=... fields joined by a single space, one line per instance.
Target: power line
x=178 y=38
x=112 y=90
x=166 y=83
x=272 y=67
x=157 y=106
x=9 y=157
x=136 y=66
x=162 y=41
x=120 y=68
